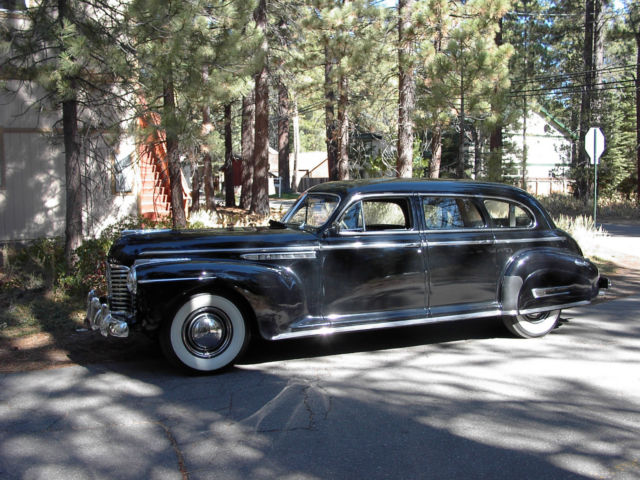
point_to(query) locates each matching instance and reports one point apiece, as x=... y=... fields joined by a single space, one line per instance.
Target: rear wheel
x=532 y=325
x=207 y=333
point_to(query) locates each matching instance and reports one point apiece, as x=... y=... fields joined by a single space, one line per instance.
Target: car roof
x=405 y=185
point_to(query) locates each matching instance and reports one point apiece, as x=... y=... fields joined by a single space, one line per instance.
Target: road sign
x=594 y=144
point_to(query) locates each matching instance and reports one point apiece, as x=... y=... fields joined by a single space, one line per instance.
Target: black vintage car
x=348 y=256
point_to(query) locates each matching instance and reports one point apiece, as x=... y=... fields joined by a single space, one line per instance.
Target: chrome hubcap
x=536 y=317
x=207 y=332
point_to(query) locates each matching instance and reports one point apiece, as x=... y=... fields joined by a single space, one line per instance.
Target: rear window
x=449 y=213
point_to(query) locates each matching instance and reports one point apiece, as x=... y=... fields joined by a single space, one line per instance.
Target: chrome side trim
x=381 y=325
x=229 y=250
x=459 y=242
x=378 y=245
x=156 y=261
x=530 y=311
x=551 y=291
x=279 y=255
x=530 y=240
x=166 y=280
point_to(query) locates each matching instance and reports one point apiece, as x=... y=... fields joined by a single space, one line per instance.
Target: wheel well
x=224 y=291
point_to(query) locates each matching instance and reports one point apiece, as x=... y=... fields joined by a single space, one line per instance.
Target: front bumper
x=100 y=317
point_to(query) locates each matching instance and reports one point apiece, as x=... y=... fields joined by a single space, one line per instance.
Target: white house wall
x=32 y=178
x=547 y=148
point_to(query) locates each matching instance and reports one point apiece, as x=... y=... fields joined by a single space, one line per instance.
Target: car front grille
x=118 y=292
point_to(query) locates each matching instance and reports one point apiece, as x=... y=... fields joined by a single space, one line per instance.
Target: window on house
x=449 y=213
x=508 y=215
x=123 y=174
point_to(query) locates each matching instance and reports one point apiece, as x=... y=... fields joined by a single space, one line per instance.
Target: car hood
x=146 y=244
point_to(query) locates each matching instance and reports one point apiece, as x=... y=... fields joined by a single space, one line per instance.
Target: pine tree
x=73 y=51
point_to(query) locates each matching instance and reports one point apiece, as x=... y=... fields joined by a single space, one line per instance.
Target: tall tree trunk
x=461 y=136
x=179 y=218
x=296 y=145
x=637 y=35
x=406 y=91
x=195 y=188
x=72 y=164
x=494 y=163
x=247 y=140
x=283 y=138
x=436 y=152
x=343 y=124
x=73 y=177
x=260 y=195
x=477 y=153
x=329 y=115
x=229 y=190
x=586 y=103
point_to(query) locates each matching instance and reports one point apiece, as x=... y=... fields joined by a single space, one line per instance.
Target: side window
x=448 y=213
x=506 y=214
x=373 y=215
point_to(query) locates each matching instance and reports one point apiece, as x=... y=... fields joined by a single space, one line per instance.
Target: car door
x=372 y=263
x=462 y=271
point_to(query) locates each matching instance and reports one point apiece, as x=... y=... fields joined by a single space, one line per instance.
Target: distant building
x=548 y=153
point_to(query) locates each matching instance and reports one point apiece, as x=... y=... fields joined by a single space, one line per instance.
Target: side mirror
x=332 y=231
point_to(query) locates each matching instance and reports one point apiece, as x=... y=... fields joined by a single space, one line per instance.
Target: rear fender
x=545 y=279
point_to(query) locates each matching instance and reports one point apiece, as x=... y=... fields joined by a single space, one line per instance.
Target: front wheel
x=532 y=325
x=207 y=333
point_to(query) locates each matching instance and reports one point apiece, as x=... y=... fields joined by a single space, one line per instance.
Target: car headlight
x=132 y=281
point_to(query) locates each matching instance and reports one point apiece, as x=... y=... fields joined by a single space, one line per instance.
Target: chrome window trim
x=304 y=197
x=358 y=197
x=480 y=196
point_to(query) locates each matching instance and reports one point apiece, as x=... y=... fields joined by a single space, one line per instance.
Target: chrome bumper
x=99 y=317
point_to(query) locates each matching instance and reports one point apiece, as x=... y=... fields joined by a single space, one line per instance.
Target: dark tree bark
x=589 y=102
x=72 y=163
x=406 y=91
x=229 y=191
x=260 y=195
x=73 y=176
x=283 y=138
x=329 y=115
x=179 y=218
x=247 y=140
x=494 y=164
x=195 y=188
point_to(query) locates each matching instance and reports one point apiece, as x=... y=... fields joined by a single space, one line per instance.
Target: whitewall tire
x=207 y=333
x=533 y=325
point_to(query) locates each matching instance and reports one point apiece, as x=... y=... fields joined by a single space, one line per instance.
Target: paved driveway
x=458 y=400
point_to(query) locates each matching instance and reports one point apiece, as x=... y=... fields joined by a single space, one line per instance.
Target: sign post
x=594 y=145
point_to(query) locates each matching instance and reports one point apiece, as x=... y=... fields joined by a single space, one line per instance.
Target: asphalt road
x=458 y=400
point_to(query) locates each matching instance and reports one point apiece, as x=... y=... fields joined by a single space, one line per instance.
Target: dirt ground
x=44 y=351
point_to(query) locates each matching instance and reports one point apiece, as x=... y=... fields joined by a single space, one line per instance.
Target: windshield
x=313 y=211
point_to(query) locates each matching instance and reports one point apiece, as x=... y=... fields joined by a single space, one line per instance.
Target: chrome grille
x=118 y=291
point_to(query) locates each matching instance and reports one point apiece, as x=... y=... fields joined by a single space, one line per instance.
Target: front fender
x=274 y=294
x=546 y=279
